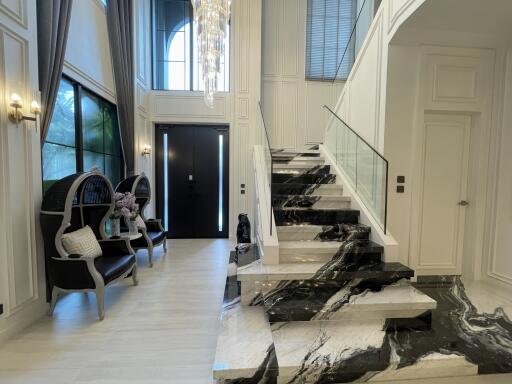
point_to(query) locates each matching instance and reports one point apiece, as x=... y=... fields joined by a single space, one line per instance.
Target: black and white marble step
x=341 y=232
x=313 y=251
x=307 y=189
x=333 y=301
x=312 y=202
x=303 y=175
x=385 y=272
x=290 y=155
x=298 y=163
x=303 y=178
x=292 y=216
x=462 y=340
x=245 y=347
x=350 y=351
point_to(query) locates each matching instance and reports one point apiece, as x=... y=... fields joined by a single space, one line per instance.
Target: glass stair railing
x=263 y=140
x=365 y=169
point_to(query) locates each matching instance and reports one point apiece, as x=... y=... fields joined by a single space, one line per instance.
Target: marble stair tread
x=398 y=301
x=314 y=202
x=311 y=251
x=349 y=351
x=291 y=153
x=321 y=216
x=303 y=178
x=307 y=189
x=326 y=246
x=313 y=158
x=243 y=342
x=303 y=163
x=303 y=232
x=257 y=271
x=298 y=232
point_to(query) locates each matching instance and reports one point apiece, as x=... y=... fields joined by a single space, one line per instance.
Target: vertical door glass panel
x=221 y=181
x=166 y=183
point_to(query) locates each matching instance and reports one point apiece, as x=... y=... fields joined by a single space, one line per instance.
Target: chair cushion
x=156 y=237
x=82 y=242
x=111 y=267
x=140 y=223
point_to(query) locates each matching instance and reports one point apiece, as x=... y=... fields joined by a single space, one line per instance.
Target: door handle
x=463 y=203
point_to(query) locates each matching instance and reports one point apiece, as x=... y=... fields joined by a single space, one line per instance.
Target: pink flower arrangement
x=125 y=206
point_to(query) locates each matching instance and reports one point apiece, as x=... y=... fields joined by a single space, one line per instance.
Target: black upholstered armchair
x=154 y=234
x=70 y=204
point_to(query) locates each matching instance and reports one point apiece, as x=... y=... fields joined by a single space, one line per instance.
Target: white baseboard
x=14 y=324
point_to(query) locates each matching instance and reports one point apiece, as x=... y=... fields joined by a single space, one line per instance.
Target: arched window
x=175 y=52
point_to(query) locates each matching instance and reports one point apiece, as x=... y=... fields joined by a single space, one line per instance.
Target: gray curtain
x=120 y=32
x=53 y=17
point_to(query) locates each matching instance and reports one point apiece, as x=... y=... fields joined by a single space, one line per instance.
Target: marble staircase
x=331 y=296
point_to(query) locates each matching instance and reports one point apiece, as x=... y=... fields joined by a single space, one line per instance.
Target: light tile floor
x=163 y=331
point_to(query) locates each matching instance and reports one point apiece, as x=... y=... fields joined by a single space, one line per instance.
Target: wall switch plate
x=400 y=189
x=400 y=179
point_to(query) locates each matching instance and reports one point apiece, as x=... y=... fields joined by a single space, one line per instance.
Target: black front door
x=192 y=180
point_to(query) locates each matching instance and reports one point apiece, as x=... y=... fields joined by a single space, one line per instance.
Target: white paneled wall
x=498 y=263
x=292 y=106
x=22 y=289
x=144 y=134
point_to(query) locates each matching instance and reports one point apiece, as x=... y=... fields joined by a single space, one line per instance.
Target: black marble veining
x=316 y=175
x=348 y=273
x=457 y=328
x=291 y=216
x=294 y=188
x=344 y=232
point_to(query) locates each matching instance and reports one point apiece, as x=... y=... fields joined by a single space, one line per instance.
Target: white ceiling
x=489 y=17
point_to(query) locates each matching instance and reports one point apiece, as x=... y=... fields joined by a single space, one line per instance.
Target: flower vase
x=115 y=227
x=132 y=227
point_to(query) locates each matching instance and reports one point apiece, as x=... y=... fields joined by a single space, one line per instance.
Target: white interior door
x=438 y=232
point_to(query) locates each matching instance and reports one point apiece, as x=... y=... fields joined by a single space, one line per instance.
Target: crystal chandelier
x=211 y=17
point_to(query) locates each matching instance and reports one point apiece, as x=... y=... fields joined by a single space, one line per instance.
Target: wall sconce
x=17 y=116
x=147 y=150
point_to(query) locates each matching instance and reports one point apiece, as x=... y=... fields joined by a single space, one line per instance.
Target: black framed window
x=83 y=134
x=175 y=52
x=328 y=39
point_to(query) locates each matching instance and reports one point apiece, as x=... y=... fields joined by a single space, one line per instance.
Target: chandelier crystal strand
x=211 y=17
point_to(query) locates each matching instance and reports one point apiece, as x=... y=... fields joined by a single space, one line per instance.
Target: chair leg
x=165 y=245
x=150 y=255
x=53 y=303
x=100 y=301
x=134 y=275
